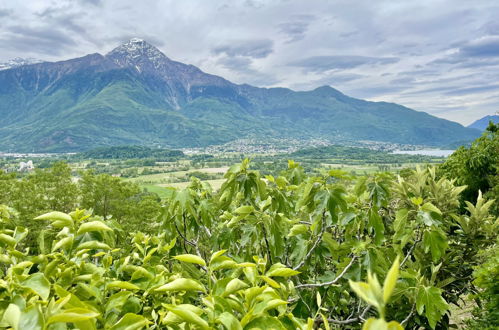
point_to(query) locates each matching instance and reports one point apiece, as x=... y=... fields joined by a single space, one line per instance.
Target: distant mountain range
x=135 y=95
x=482 y=123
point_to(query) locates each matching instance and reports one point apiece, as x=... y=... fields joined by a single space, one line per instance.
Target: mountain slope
x=137 y=95
x=482 y=123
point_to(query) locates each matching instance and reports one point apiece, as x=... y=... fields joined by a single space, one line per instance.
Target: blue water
x=426 y=152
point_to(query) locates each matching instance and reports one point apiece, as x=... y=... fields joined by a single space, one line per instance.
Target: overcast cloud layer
x=441 y=57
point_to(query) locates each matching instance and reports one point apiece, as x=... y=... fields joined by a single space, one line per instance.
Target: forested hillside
x=281 y=251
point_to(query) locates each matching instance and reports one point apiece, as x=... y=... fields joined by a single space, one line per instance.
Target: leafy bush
x=263 y=252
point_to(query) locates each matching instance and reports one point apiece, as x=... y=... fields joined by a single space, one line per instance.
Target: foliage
x=477 y=167
x=486 y=315
x=128 y=152
x=273 y=252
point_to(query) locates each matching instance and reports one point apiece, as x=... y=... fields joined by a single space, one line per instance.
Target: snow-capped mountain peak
x=18 y=61
x=136 y=52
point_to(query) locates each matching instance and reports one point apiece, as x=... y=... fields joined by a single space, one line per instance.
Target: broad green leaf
x=391 y=280
x=7 y=240
x=122 y=285
x=380 y=324
x=93 y=245
x=31 y=318
x=229 y=321
x=190 y=317
x=172 y=318
x=270 y=281
x=417 y=201
x=182 y=284
x=130 y=322
x=364 y=291
x=191 y=258
x=244 y=210
x=217 y=254
x=233 y=286
x=117 y=300
x=265 y=322
x=93 y=226
x=429 y=207
x=73 y=315
x=39 y=284
x=430 y=300
x=57 y=216
x=435 y=241
x=282 y=272
x=11 y=316
x=298 y=230
x=64 y=243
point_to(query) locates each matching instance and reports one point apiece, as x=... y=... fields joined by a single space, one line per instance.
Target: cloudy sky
x=437 y=56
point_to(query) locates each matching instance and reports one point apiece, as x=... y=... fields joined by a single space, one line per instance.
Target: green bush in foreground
x=262 y=253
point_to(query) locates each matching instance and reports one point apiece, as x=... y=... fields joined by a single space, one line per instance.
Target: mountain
x=135 y=95
x=482 y=123
x=18 y=61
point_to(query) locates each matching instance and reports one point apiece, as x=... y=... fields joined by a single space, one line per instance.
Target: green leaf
x=366 y=292
x=429 y=207
x=93 y=226
x=417 y=201
x=217 y=254
x=436 y=242
x=233 y=286
x=39 y=284
x=376 y=222
x=430 y=300
x=7 y=240
x=282 y=272
x=130 y=322
x=64 y=243
x=298 y=230
x=391 y=280
x=73 y=315
x=93 y=245
x=12 y=316
x=172 y=318
x=190 y=317
x=117 y=300
x=122 y=285
x=244 y=210
x=265 y=322
x=31 y=318
x=56 y=216
x=229 y=321
x=182 y=284
x=191 y=258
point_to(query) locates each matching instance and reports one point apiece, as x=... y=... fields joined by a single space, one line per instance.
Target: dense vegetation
x=264 y=252
x=127 y=152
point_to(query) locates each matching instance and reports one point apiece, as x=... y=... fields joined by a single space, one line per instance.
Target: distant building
x=26 y=167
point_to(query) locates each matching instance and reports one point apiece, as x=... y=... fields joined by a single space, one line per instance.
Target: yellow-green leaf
x=122 y=285
x=93 y=226
x=130 y=321
x=72 y=315
x=190 y=317
x=391 y=280
x=182 y=284
x=191 y=258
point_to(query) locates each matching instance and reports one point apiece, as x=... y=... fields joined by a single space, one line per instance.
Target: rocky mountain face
x=137 y=95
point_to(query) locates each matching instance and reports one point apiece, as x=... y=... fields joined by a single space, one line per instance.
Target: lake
x=425 y=152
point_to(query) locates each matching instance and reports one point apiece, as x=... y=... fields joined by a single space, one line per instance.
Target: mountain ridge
x=483 y=122
x=135 y=94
